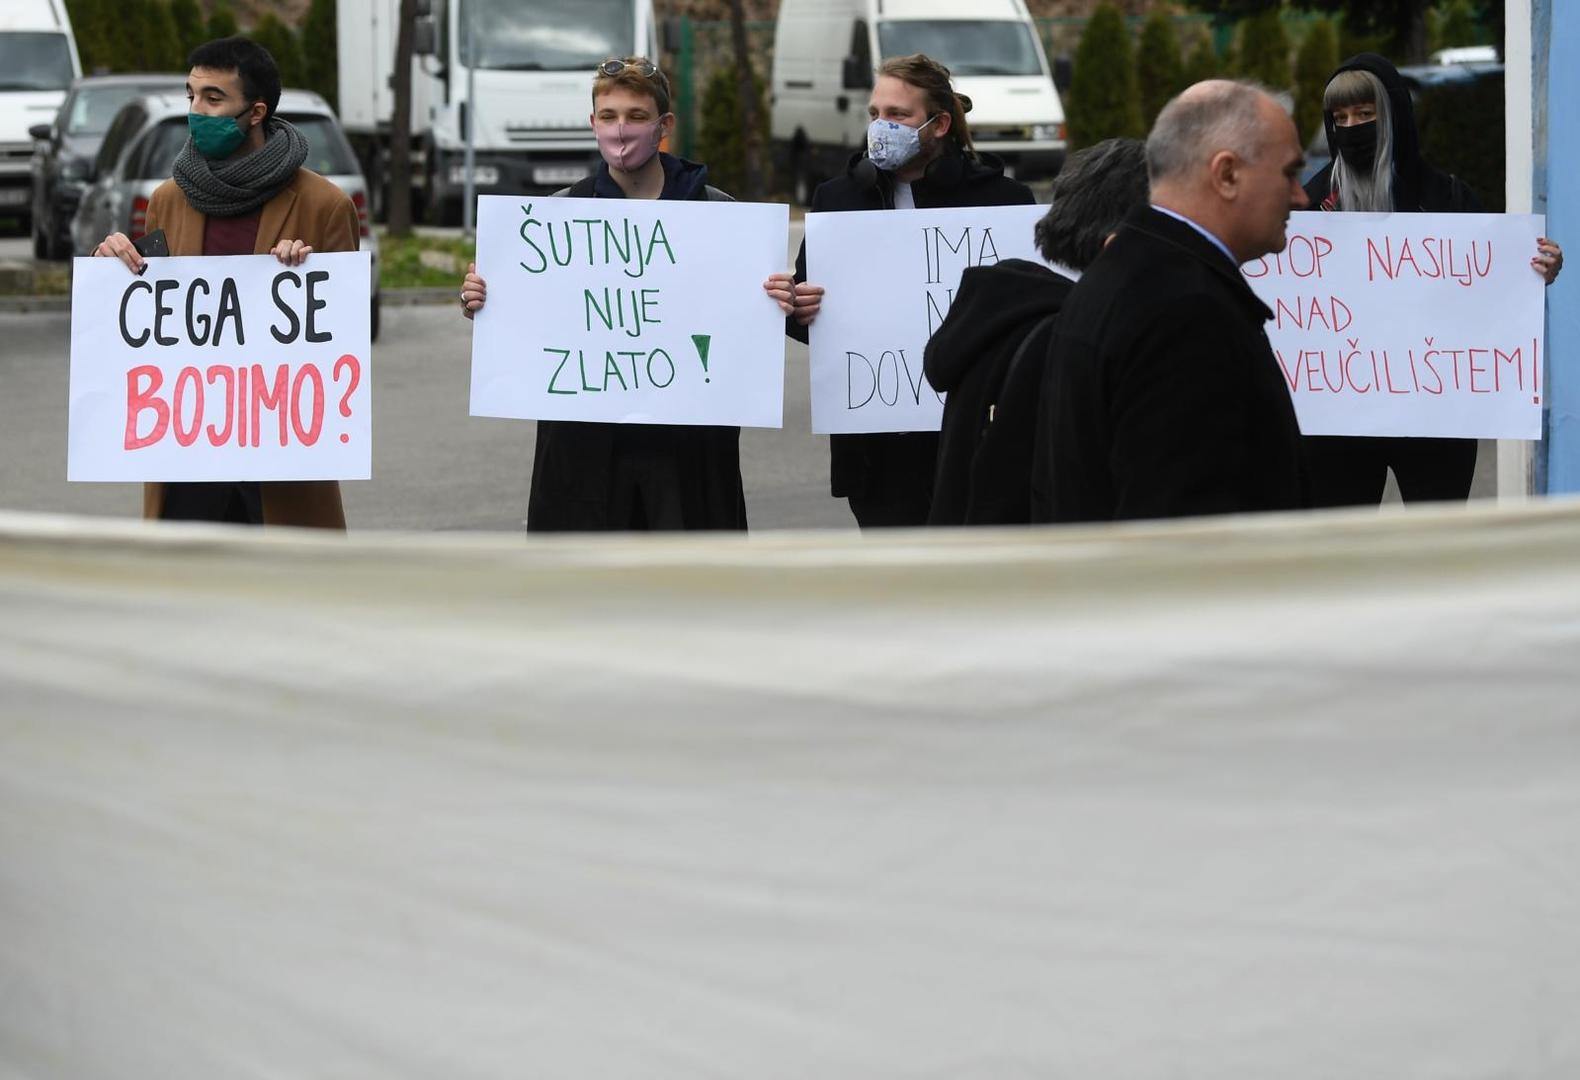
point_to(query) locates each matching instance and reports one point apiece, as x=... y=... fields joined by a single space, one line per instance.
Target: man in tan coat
x=239 y=189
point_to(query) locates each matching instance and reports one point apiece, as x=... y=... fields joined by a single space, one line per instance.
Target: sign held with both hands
x=629 y=311
x=221 y=368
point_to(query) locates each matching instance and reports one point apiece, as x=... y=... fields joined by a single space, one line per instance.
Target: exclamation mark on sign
x=1536 y=370
x=701 y=342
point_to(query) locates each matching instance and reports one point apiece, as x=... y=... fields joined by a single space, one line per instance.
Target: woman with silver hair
x=1377 y=166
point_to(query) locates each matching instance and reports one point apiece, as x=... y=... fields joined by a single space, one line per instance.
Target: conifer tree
x=721 y=139
x=190 y=30
x=282 y=44
x=321 y=52
x=1160 y=69
x=1104 y=100
x=1263 y=52
x=1203 y=61
x=222 y=22
x=1318 y=56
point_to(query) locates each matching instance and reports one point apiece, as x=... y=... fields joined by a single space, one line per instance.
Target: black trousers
x=891 y=509
x=233 y=504
x=1351 y=471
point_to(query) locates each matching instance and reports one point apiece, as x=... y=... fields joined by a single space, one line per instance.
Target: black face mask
x=1357 y=144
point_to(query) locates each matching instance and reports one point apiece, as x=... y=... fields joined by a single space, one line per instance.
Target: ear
x=942 y=124
x=666 y=126
x=1223 y=173
x=258 y=111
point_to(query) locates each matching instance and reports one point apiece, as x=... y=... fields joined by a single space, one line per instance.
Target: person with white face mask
x=918 y=154
x=594 y=477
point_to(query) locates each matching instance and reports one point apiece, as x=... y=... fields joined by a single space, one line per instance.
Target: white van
x=38 y=60
x=825 y=52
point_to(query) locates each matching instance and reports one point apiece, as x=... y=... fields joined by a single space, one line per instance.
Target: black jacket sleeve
x=793 y=328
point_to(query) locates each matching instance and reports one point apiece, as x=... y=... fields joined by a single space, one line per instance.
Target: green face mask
x=216 y=137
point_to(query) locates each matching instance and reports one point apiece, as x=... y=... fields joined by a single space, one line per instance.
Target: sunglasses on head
x=645 y=68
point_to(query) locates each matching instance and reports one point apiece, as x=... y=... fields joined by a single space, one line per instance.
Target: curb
x=425 y=295
x=12 y=305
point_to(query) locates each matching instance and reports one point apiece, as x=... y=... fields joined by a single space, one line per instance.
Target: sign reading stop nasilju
x=1409 y=324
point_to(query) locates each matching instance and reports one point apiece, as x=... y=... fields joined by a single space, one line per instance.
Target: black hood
x=992 y=303
x=1406 y=142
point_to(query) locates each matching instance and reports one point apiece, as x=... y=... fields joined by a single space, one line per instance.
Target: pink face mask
x=628 y=146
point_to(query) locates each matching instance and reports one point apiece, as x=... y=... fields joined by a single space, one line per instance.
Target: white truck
x=38 y=61
x=531 y=69
x=825 y=52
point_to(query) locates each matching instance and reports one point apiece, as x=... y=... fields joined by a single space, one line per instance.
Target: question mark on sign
x=356 y=377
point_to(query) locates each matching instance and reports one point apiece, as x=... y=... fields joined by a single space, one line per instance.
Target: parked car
x=65 y=148
x=139 y=153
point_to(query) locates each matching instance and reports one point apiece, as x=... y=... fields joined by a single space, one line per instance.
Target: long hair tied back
x=932 y=79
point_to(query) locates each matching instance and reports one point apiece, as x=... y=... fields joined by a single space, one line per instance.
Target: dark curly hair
x=1096 y=190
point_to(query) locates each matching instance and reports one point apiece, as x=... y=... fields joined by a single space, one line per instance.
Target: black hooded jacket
x=1417 y=185
x=867 y=464
x=985 y=445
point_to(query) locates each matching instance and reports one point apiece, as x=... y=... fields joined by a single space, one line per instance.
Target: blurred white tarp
x=1292 y=797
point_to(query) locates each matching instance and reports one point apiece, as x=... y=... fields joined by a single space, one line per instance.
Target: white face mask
x=892 y=145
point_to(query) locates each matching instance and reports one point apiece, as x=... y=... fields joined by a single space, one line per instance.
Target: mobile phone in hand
x=152 y=244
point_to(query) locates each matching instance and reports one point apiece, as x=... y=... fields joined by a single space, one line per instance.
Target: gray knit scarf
x=239 y=185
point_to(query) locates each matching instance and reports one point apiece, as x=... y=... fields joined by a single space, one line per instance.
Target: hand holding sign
x=801 y=299
x=1549 y=259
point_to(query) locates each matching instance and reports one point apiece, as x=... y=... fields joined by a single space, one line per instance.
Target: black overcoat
x=1162 y=397
x=981 y=358
x=596 y=477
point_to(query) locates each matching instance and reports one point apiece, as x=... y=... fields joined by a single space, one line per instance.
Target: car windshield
x=327 y=151
x=965 y=46
x=93 y=107
x=34 y=61
x=555 y=35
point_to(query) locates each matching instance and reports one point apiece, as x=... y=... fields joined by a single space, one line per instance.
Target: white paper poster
x=890 y=278
x=1409 y=324
x=221 y=368
x=629 y=311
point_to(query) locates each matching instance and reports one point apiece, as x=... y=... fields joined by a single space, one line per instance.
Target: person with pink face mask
x=596 y=477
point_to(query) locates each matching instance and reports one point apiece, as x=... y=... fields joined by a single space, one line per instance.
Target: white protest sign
x=629 y=310
x=221 y=368
x=890 y=278
x=1409 y=324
